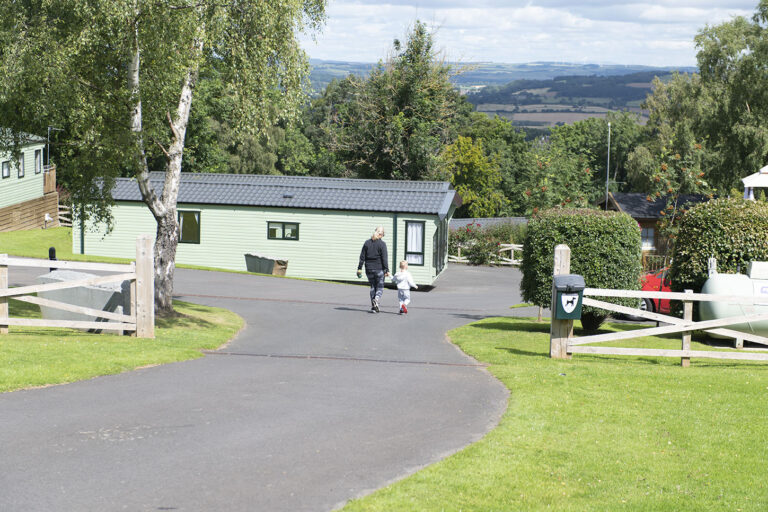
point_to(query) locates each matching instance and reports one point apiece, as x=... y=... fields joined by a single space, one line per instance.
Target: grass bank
x=31 y=357
x=601 y=433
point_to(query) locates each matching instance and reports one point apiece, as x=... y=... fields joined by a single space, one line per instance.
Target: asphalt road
x=315 y=402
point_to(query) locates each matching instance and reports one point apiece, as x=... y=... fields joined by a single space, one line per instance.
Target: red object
x=658 y=282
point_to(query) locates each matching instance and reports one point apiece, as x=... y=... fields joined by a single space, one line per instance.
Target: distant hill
x=535 y=95
x=483 y=74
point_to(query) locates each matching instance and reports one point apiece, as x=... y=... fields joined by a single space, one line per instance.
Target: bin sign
x=569 y=290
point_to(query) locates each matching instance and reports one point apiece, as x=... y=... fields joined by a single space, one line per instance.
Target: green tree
x=394 y=123
x=734 y=96
x=475 y=177
x=122 y=75
x=553 y=178
x=506 y=146
x=589 y=139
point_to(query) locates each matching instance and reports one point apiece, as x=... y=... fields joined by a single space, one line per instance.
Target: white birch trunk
x=163 y=208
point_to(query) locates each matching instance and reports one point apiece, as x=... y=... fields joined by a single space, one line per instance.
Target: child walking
x=404 y=281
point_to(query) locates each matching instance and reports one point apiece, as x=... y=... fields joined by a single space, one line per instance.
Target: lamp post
x=608 y=166
x=48 y=142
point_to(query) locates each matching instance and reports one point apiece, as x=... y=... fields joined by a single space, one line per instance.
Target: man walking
x=374 y=256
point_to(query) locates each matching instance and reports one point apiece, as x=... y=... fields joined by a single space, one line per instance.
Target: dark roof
x=431 y=197
x=487 y=221
x=637 y=206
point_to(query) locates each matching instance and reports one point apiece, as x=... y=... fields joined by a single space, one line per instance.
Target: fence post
x=685 y=362
x=560 y=331
x=145 y=288
x=3 y=300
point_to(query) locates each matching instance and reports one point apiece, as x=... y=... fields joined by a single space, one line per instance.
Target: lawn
x=34 y=243
x=599 y=433
x=32 y=357
x=38 y=357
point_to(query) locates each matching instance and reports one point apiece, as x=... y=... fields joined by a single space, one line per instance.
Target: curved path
x=315 y=402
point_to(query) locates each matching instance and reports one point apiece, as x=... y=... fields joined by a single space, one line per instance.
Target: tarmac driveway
x=315 y=402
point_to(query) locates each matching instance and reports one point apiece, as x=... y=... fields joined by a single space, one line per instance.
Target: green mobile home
x=317 y=224
x=28 y=197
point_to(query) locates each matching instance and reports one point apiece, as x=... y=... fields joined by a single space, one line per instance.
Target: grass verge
x=600 y=433
x=31 y=357
x=34 y=243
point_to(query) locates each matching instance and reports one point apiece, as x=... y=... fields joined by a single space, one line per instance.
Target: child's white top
x=404 y=280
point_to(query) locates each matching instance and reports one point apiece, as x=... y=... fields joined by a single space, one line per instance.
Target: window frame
x=199 y=226
x=6 y=169
x=651 y=231
x=282 y=230
x=38 y=161
x=21 y=171
x=423 y=243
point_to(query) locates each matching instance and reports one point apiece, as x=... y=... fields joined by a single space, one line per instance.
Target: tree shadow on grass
x=531 y=326
x=18 y=309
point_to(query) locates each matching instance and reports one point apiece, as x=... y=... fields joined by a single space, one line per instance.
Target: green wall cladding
x=328 y=247
x=14 y=190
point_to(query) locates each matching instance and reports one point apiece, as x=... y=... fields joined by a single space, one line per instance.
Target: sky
x=652 y=33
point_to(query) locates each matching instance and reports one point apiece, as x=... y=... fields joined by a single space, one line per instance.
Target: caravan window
x=414 y=242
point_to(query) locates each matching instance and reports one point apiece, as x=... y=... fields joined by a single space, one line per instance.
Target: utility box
x=569 y=291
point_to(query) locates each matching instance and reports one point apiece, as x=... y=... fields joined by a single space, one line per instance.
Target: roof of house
x=637 y=206
x=486 y=221
x=431 y=197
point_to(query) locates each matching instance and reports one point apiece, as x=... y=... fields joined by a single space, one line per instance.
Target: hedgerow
x=605 y=250
x=734 y=231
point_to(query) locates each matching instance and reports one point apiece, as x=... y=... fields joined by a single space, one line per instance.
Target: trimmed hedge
x=734 y=231
x=605 y=250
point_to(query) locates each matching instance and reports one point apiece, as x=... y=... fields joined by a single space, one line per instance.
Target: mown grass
x=34 y=243
x=31 y=357
x=599 y=433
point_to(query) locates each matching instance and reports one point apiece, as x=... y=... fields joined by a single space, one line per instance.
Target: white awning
x=757 y=180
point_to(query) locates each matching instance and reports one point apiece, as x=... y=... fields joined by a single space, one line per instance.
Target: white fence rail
x=498 y=257
x=563 y=344
x=141 y=321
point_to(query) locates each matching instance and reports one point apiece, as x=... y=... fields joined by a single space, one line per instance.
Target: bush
x=734 y=231
x=605 y=250
x=479 y=244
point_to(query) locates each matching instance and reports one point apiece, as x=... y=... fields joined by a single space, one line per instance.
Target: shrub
x=605 y=250
x=734 y=231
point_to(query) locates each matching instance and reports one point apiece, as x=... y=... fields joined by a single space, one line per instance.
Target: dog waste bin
x=569 y=290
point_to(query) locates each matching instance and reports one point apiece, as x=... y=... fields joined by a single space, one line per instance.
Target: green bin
x=569 y=291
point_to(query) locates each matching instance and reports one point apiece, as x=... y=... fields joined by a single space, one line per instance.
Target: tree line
x=217 y=87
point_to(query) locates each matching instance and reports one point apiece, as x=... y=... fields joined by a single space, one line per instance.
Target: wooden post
x=685 y=362
x=560 y=331
x=145 y=288
x=3 y=300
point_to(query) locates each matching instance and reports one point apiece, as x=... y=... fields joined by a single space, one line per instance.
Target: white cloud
x=654 y=32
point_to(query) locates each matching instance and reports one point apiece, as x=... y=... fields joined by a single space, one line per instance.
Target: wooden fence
x=496 y=258
x=563 y=344
x=65 y=216
x=141 y=321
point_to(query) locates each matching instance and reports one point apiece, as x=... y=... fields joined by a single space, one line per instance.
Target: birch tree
x=119 y=77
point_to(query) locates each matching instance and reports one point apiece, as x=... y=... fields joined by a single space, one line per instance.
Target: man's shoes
x=375 y=305
x=405 y=309
x=401 y=309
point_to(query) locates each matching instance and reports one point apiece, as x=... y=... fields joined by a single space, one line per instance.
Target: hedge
x=734 y=231
x=605 y=250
